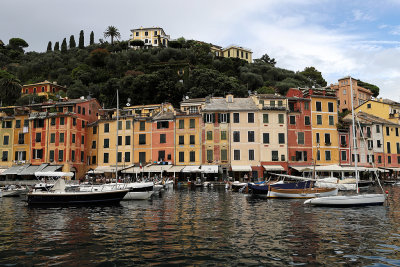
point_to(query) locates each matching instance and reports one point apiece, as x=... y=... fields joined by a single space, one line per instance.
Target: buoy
x=387 y=192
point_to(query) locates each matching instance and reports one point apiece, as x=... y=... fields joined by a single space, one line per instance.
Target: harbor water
x=204 y=226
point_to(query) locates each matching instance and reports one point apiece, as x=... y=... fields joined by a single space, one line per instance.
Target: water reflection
x=197 y=227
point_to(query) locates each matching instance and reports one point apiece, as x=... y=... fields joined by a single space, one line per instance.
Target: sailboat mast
x=354 y=134
x=116 y=145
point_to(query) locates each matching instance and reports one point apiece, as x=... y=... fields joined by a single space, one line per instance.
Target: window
x=275 y=156
x=250 y=117
x=292 y=120
x=163 y=138
x=93 y=144
x=146 y=33
x=53 y=121
x=73 y=155
x=18 y=124
x=209 y=155
x=236 y=154
x=379 y=159
x=307 y=120
x=331 y=120
x=119 y=125
x=378 y=143
x=281 y=118
x=83 y=113
x=343 y=140
x=397 y=131
x=21 y=138
x=127 y=140
x=306 y=105
x=6 y=140
x=142 y=126
x=250 y=136
x=327 y=155
x=163 y=125
x=378 y=129
x=192 y=124
x=51 y=156
x=327 y=139
x=181 y=156
x=105 y=159
x=387 y=131
x=236 y=136
x=223 y=117
x=318 y=106
x=73 y=138
x=369 y=105
x=388 y=147
x=62 y=121
x=52 y=138
x=192 y=156
x=5 y=156
x=265 y=118
x=192 y=139
x=209 y=135
x=281 y=137
x=330 y=106
x=120 y=140
x=73 y=121
x=106 y=143
x=60 y=155
x=106 y=127
x=38 y=137
x=181 y=139
x=224 y=154
x=209 y=118
x=119 y=157
x=317 y=138
x=318 y=155
x=70 y=109
x=83 y=140
x=26 y=123
x=398 y=148
x=37 y=153
x=319 y=119
x=223 y=135
x=344 y=92
x=272 y=103
x=79 y=110
x=280 y=103
x=266 y=138
x=236 y=117
x=142 y=139
x=128 y=125
x=300 y=138
x=36 y=124
x=398 y=159
x=142 y=157
x=61 y=137
x=251 y=154
x=161 y=155
x=181 y=124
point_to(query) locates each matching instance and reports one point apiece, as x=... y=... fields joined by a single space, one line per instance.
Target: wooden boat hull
x=301 y=193
x=76 y=198
x=348 y=201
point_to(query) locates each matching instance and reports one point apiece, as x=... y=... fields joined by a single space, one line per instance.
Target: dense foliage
x=153 y=75
x=373 y=88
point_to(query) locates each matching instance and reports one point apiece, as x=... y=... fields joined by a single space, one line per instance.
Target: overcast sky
x=358 y=37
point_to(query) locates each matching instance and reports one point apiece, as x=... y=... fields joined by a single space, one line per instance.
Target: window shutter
x=219 y=117
x=204 y=118
x=228 y=117
x=213 y=118
x=16 y=155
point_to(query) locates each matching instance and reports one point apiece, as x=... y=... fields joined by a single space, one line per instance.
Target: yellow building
x=21 y=144
x=6 y=137
x=234 y=51
x=92 y=145
x=154 y=36
x=324 y=117
x=42 y=88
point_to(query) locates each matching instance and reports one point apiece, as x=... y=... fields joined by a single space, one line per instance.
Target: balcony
x=343 y=144
x=327 y=143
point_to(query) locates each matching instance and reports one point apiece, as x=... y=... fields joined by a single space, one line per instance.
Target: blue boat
x=262 y=189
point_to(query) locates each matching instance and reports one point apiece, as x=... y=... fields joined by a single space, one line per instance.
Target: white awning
x=241 y=168
x=157 y=168
x=195 y=168
x=2 y=170
x=176 y=169
x=353 y=169
x=104 y=169
x=209 y=168
x=328 y=168
x=393 y=169
x=273 y=168
x=133 y=170
x=55 y=174
x=302 y=168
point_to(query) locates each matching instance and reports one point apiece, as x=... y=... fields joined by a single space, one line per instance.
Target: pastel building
x=7 y=137
x=42 y=89
x=153 y=36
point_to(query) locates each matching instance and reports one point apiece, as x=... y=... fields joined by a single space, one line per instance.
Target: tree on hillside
x=49 y=46
x=81 y=40
x=266 y=59
x=314 y=76
x=10 y=88
x=17 y=44
x=57 y=46
x=91 y=38
x=72 y=43
x=64 y=45
x=112 y=32
x=373 y=88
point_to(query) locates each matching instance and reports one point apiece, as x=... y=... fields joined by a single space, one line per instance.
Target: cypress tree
x=49 y=46
x=81 y=40
x=72 y=43
x=64 y=45
x=57 y=46
x=91 y=38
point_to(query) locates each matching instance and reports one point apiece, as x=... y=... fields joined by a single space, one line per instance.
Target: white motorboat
x=13 y=191
x=137 y=191
x=348 y=201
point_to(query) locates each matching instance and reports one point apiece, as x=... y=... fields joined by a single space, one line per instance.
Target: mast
x=116 y=146
x=354 y=134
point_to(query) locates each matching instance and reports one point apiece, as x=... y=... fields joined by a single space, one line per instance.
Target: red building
x=59 y=133
x=299 y=130
x=43 y=88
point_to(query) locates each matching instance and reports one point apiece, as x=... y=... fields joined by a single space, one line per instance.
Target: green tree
x=81 y=40
x=112 y=32
x=57 y=46
x=64 y=45
x=266 y=59
x=72 y=43
x=373 y=88
x=10 y=88
x=97 y=57
x=139 y=43
x=49 y=46
x=91 y=38
x=266 y=90
x=314 y=76
x=17 y=44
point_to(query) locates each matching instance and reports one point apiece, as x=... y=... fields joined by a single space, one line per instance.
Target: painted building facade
x=153 y=36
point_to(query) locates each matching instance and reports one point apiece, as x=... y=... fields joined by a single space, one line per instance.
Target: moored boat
x=348 y=200
x=301 y=193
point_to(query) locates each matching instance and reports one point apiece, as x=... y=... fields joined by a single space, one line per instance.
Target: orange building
x=43 y=88
x=163 y=137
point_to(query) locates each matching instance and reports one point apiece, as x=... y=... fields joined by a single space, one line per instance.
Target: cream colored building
x=154 y=36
